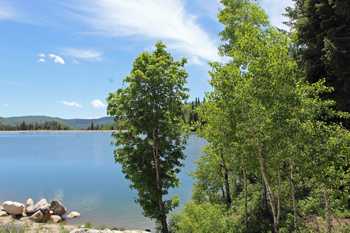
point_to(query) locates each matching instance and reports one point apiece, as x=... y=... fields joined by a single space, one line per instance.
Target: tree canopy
x=152 y=137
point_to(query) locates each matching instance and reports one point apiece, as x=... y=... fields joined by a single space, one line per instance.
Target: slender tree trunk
x=278 y=196
x=275 y=220
x=328 y=220
x=293 y=196
x=159 y=186
x=245 y=195
x=266 y=214
x=227 y=185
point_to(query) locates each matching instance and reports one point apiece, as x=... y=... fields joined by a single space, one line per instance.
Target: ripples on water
x=81 y=173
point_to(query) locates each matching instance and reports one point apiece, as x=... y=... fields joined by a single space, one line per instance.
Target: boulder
x=47 y=216
x=56 y=218
x=40 y=203
x=57 y=208
x=46 y=207
x=24 y=219
x=3 y=213
x=39 y=216
x=13 y=208
x=73 y=215
x=29 y=208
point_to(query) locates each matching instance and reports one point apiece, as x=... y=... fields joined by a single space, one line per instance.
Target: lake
x=81 y=173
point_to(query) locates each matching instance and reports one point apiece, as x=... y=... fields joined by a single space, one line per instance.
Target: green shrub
x=203 y=218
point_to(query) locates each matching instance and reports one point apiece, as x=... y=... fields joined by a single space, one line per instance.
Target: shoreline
x=56 y=131
x=62 y=131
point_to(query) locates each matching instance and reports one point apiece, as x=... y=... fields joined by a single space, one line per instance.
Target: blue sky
x=62 y=58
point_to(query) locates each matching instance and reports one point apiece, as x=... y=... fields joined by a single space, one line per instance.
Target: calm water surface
x=81 y=173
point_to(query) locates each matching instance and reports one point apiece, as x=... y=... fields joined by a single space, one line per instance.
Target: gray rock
x=29 y=208
x=13 y=208
x=3 y=213
x=40 y=203
x=73 y=215
x=56 y=218
x=57 y=208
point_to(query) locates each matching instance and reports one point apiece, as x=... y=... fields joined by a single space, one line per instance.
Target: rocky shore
x=34 y=218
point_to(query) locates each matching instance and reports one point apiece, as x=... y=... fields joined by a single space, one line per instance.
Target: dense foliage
x=275 y=162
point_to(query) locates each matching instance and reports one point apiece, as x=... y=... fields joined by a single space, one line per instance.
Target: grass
x=119 y=228
x=88 y=225
x=11 y=227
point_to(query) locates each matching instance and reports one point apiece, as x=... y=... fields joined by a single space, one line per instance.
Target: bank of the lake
x=81 y=173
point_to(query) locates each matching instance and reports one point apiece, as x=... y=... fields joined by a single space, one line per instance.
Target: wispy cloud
x=6 y=11
x=86 y=54
x=152 y=19
x=15 y=84
x=5 y=105
x=58 y=59
x=41 y=55
x=41 y=60
x=92 y=118
x=73 y=104
x=97 y=104
x=75 y=62
x=275 y=8
x=211 y=7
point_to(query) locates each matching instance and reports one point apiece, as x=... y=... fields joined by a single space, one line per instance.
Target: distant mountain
x=74 y=123
x=3 y=121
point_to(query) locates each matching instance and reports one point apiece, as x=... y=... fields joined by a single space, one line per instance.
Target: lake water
x=81 y=173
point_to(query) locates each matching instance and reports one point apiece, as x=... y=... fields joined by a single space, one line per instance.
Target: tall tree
x=323 y=45
x=153 y=137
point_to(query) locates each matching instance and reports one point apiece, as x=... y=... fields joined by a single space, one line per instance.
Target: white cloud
x=15 y=84
x=86 y=54
x=6 y=11
x=73 y=104
x=91 y=118
x=211 y=7
x=151 y=19
x=57 y=58
x=41 y=60
x=41 y=55
x=275 y=8
x=5 y=105
x=75 y=62
x=97 y=104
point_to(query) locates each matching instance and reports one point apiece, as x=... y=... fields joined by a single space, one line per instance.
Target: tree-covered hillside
x=73 y=123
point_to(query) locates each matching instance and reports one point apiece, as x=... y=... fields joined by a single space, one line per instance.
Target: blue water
x=81 y=173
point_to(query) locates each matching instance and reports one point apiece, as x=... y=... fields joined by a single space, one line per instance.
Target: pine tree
x=323 y=31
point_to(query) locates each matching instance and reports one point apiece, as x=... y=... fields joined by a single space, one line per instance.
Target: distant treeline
x=102 y=127
x=51 y=125
x=189 y=116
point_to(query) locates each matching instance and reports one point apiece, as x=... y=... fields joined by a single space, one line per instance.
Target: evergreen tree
x=92 y=125
x=323 y=45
